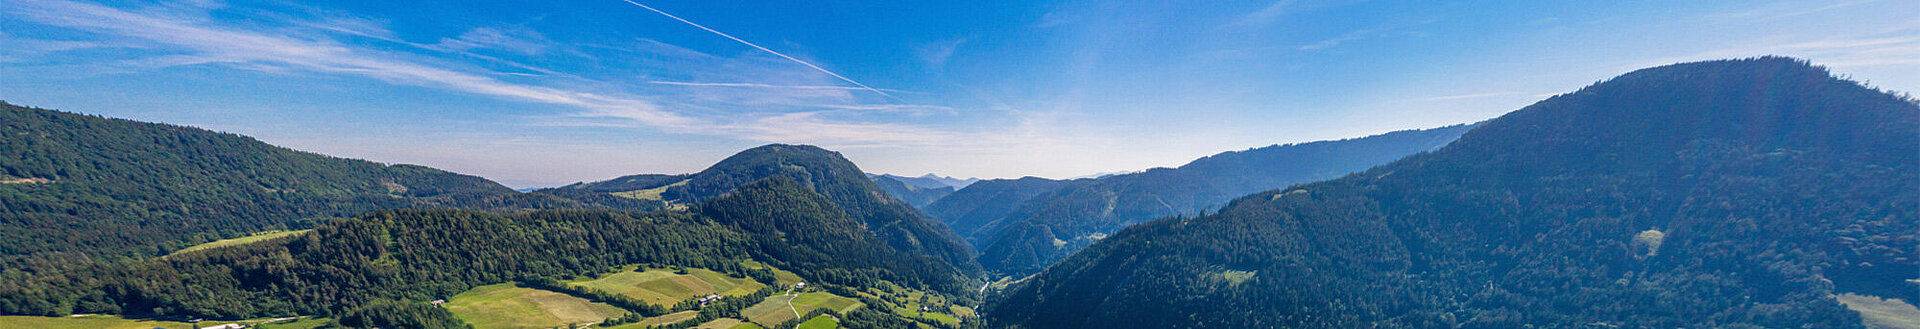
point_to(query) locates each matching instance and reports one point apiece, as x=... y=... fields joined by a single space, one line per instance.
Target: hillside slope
x=829 y=174
x=968 y=209
x=1740 y=193
x=1050 y=226
x=91 y=187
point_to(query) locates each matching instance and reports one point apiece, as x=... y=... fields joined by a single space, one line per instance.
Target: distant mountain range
x=1756 y=193
x=916 y=195
x=929 y=181
x=1023 y=232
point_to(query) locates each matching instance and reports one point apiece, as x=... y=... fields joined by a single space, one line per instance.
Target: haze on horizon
x=542 y=94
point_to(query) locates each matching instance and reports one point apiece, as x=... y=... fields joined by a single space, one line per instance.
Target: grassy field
x=908 y=303
x=93 y=322
x=1878 y=313
x=819 y=322
x=664 y=287
x=262 y=236
x=309 y=323
x=508 y=306
x=781 y=276
x=670 y=318
x=721 y=323
x=774 y=310
x=649 y=194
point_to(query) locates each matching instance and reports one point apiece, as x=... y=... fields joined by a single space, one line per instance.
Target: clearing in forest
x=665 y=287
x=508 y=306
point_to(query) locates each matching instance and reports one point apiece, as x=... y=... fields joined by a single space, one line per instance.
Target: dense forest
x=1039 y=231
x=86 y=188
x=779 y=207
x=1729 y=194
x=899 y=225
x=420 y=255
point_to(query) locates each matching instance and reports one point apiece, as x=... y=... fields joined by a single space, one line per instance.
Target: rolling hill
x=88 y=188
x=901 y=226
x=1734 y=194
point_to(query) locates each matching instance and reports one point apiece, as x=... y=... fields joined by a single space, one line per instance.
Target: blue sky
x=541 y=93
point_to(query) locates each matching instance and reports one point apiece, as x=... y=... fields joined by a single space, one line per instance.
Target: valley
x=1759 y=192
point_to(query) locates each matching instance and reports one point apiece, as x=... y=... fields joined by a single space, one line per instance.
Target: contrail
x=769 y=51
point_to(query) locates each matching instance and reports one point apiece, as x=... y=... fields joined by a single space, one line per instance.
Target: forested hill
x=985 y=201
x=1724 y=194
x=1048 y=227
x=89 y=187
x=424 y=255
x=916 y=195
x=900 y=225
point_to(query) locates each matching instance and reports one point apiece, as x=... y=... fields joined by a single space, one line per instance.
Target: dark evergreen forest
x=1733 y=194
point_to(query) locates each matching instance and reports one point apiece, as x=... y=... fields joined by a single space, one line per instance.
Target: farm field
x=774 y=310
x=509 y=306
x=669 y=318
x=93 y=322
x=308 y=323
x=262 y=236
x=781 y=276
x=820 y=322
x=649 y=194
x=909 y=303
x=721 y=323
x=664 y=287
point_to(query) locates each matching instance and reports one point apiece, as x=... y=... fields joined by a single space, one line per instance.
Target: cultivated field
x=820 y=322
x=664 y=287
x=508 y=306
x=774 y=310
x=93 y=322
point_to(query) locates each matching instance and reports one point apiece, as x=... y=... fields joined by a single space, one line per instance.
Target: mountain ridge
x=1049 y=226
x=1739 y=193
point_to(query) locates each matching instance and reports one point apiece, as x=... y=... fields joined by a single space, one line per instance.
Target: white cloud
x=513 y=39
x=936 y=54
x=219 y=45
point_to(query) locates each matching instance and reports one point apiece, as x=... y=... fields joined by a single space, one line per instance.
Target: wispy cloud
x=769 y=51
x=206 y=44
x=936 y=54
x=763 y=85
x=513 y=39
x=1264 y=15
x=198 y=41
x=1336 y=41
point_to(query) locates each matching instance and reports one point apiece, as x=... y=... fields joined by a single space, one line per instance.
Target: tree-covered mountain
x=421 y=255
x=1725 y=194
x=78 y=186
x=903 y=227
x=628 y=183
x=915 y=195
x=985 y=201
x=1050 y=226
